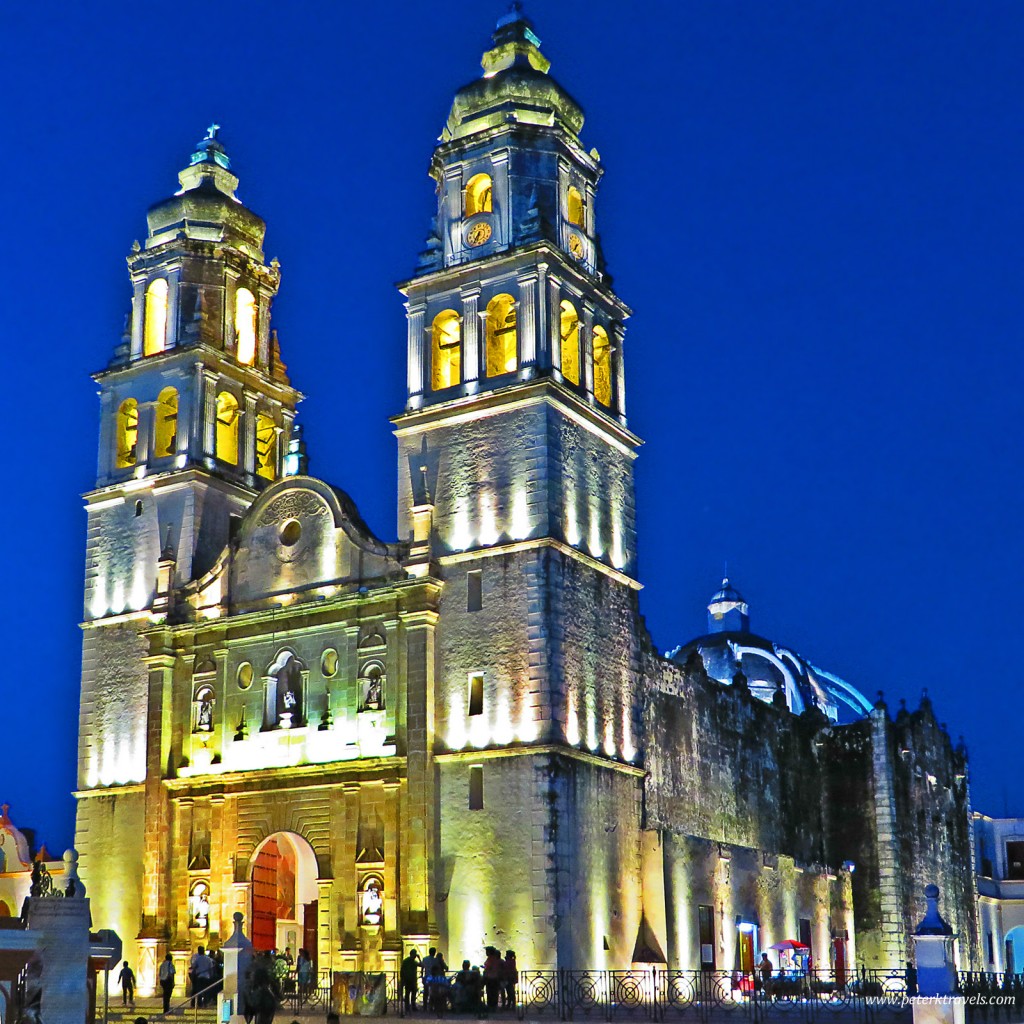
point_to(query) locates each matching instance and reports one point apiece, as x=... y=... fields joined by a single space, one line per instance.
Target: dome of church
x=515 y=86
x=206 y=206
x=730 y=647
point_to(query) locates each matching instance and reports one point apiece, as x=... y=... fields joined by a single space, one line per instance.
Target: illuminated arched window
x=602 y=366
x=202 y=709
x=166 y=440
x=575 y=206
x=446 y=366
x=127 y=442
x=245 y=326
x=154 y=337
x=478 y=194
x=227 y=428
x=569 y=330
x=266 y=447
x=199 y=906
x=502 y=355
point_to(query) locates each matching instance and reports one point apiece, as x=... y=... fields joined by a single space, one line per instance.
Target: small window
x=569 y=329
x=446 y=364
x=706 y=932
x=1015 y=860
x=986 y=867
x=501 y=341
x=329 y=662
x=245 y=326
x=127 y=434
x=991 y=948
x=154 y=335
x=574 y=206
x=266 y=447
x=475 y=593
x=478 y=195
x=476 y=787
x=244 y=675
x=476 y=693
x=602 y=366
x=166 y=441
x=227 y=428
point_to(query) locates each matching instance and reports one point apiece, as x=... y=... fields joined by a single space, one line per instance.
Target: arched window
x=371 y=901
x=602 y=366
x=154 y=335
x=478 y=194
x=227 y=428
x=574 y=206
x=166 y=440
x=446 y=367
x=569 y=330
x=371 y=687
x=284 y=694
x=202 y=710
x=127 y=433
x=245 y=326
x=502 y=355
x=266 y=447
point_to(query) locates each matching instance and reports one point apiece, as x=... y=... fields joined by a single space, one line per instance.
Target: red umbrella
x=789 y=944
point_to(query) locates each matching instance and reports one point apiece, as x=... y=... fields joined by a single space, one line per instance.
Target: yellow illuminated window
x=602 y=366
x=569 y=329
x=154 y=337
x=127 y=433
x=575 y=206
x=227 y=428
x=166 y=440
x=502 y=356
x=478 y=194
x=245 y=326
x=266 y=447
x=446 y=367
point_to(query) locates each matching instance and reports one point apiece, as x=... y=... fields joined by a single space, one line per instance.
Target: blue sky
x=814 y=209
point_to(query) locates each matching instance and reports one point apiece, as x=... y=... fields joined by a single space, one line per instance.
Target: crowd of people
x=473 y=989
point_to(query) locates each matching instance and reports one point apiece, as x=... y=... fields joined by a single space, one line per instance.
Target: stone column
x=544 y=337
x=209 y=406
x=526 y=322
x=587 y=348
x=345 y=873
x=173 y=330
x=450 y=220
x=392 y=855
x=417 y=343
x=501 y=199
x=265 y=297
x=619 y=367
x=247 y=428
x=555 y=321
x=471 y=334
x=229 y=338
x=138 y=317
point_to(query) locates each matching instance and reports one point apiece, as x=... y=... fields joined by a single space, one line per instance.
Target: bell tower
x=196 y=409
x=516 y=490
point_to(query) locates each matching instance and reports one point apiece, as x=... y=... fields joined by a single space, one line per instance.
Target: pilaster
x=471 y=334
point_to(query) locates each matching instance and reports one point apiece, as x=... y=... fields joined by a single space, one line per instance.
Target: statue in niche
x=289 y=695
x=204 y=712
x=373 y=689
x=199 y=905
x=372 y=904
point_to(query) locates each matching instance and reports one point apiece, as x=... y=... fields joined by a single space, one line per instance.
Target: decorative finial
x=211 y=132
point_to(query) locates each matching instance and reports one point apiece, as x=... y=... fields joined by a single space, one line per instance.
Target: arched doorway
x=1013 y=950
x=284 y=895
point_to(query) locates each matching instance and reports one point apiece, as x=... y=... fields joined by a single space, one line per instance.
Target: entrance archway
x=284 y=895
x=1013 y=950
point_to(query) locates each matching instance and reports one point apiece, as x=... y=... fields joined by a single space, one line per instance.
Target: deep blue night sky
x=813 y=207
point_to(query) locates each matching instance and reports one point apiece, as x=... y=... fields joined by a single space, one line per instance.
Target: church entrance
x=284 y=895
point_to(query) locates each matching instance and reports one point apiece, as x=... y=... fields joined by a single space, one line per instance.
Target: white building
x=999 y=854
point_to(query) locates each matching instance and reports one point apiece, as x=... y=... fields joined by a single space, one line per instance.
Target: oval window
x=290 y=533
x=244 y=676
x=329 y=662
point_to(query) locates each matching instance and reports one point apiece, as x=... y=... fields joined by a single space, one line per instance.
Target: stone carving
x=295 y=505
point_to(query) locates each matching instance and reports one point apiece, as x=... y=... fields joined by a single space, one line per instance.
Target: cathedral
x=463 y=736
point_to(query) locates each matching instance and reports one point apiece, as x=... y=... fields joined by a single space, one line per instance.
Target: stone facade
x=465 y=736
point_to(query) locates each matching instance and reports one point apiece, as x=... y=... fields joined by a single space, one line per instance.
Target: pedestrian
x=304 y=974
x=410 y=975
x=127 y=981
x=263 y=992
x=509 y=979
x=492 y=977
x=201 y=973
x=166 y=977
x=765 y=968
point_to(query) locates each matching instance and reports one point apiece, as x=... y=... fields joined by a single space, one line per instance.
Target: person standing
x=126 y=979
x=201 y=972
x=509 y=979
x=764 y=968
x=492 y=977
x=304 y=974
x=410 y=975
x=166 y=977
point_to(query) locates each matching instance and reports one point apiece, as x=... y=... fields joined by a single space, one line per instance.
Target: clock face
x=576 y=246
x=478 y=233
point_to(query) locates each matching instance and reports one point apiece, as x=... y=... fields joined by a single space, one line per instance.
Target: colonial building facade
x=465 y=736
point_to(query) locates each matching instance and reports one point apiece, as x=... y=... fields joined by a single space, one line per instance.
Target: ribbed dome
x=515 y=87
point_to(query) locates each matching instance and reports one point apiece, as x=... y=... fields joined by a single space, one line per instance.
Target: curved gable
x=300 y=535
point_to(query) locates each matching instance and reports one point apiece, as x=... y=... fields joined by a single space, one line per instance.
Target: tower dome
x=515 y=86
x=727 y=611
